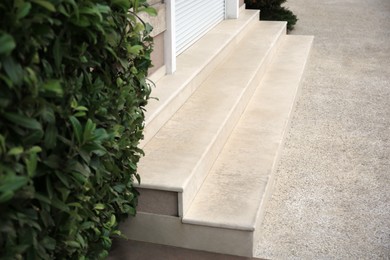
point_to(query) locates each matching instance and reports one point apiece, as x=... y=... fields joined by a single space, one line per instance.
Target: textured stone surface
x=332 y=193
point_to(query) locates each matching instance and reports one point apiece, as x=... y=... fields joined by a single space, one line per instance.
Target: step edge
x=218 y=225
x=270 y=186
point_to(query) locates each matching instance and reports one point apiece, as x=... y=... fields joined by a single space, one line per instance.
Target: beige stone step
x=235 y=191
x=179 y=156
x=193 y=67
x=227 y=211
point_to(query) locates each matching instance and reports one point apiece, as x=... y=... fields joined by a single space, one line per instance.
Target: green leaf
x=88 y=130
x=81 y=240
x=81 y=108
x=55 y=202
x=136 y=49
x=42 y=198
x=51 y=136
x=45 y=216
x=99 y=206
x=6 y=196
x=45 y=4
x=23 y=121
x=2 y=144
x=130 y=210
x=91 y=10
x=23 y=10
x=148 y=28
x=138 y=177
x=16 y=150
x=125 y=4
x=77 y=166
x=149 y=10
x=75 y=204
x=77 y=128
x=53 y=86
x=12 y=183
x=49 y=187
x=7 y=44
x=87 y=225
x=63 y=178
x=31 y=164
x=57 y=53
x=112 y=220
x=80 y=114
x=85 y=155
x=73 y=244
x=49 y=243
x=119 y=188
x=35 y=149
x=104 y=9
x=94 y=148
x=13 y=69
x=34 y=137
x=81 y=179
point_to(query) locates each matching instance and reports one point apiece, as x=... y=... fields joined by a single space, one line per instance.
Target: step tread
x=189 y=63
x=234 y=191
x=177 y=148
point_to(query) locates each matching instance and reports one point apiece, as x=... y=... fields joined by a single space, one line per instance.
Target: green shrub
x=72 y=92
x=273 y=10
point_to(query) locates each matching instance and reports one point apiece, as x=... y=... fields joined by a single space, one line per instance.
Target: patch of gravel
x=332 y=194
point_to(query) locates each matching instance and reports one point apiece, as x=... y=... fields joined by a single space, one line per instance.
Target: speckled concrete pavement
x=332 y=193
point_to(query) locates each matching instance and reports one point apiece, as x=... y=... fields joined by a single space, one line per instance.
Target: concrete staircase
x=214 y=137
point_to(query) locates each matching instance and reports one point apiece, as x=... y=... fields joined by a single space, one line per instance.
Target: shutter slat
x=194 y=19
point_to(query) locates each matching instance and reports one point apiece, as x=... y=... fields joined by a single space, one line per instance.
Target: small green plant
x=273 y=10
x=73 y=89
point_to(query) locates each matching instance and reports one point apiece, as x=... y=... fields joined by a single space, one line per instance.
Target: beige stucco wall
x=242 y=2
x=159 y=27
x=158 y=53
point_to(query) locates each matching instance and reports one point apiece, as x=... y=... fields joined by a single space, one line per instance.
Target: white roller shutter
x=194 y=18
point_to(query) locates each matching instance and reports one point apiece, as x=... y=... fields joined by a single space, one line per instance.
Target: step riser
x=154 y=122
x=171 y=231
x=158 y=202
x=131 y=249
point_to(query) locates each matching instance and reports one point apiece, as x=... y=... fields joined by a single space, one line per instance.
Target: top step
x=180 y=155
x=193 y=67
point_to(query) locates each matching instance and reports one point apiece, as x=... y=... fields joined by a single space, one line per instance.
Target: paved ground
x=332 y=194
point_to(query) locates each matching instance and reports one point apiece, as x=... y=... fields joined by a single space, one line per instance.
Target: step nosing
x=159 y=187
x=240 y=227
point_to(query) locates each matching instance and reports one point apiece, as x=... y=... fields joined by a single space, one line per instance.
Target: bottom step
x=229 y=207
x=129 y=249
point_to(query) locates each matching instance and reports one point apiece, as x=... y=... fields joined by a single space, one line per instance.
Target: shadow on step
x=134 y=250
